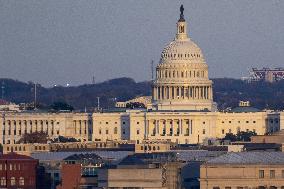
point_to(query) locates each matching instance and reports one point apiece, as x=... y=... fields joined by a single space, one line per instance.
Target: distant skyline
x=67 y=41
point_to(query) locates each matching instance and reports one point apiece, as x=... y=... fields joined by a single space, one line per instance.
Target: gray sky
x=66 y=41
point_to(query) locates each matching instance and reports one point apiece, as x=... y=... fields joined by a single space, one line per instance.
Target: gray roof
x=265 y=158
x=132 y=160
x=197 y=155
x=59 y=156
x=243 y=109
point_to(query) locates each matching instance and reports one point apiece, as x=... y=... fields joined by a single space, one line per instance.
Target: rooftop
x=15 y=156
x=242 y=109
x=59 y=156
x=265 y=158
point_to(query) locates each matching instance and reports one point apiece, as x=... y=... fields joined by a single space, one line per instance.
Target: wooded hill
x=227 y=93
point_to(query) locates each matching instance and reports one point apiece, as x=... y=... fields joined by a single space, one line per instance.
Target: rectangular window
x=261 y=173
x=203 y=131
x=272 y=173
x=282 y=173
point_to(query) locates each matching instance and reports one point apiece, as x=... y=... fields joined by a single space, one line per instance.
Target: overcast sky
x=64 y=41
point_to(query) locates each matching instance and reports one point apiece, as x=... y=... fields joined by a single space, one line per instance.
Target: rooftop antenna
x=152 y=70
x=3 y=89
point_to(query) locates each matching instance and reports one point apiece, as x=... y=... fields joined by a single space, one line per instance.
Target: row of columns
x=20 y=130
x=80 y=127
x=171 y=127
x=184 y=92
x=160 y=74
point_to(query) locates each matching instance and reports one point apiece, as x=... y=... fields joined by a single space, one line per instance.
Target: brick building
x=80 y=171
x=18 y=171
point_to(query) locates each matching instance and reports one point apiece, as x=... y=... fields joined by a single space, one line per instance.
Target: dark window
x=272 y=173
x=261 y=173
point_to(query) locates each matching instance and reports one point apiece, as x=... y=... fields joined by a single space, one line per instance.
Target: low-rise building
x=149 y=146
x=80 y=171
x=244 y=170
x=145 y=100
x=30 y=148
x=18 y=171
x=152 y=171
x=277 y=137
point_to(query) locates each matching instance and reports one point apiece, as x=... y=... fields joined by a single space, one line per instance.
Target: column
x=180 y=126
x=157 y=126
x=170 y=93
x=147 y=129
x=189 y=126
x=161 y=126
x=172 y=126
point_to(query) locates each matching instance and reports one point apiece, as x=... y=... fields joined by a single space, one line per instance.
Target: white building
x=182 y=108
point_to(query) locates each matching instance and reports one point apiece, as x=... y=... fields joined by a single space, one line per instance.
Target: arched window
x=21 y=181
x=3 y=181
x=13 y=181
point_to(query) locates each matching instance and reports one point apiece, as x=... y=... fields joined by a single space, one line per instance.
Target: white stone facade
x=182 y=109
x=14 y=125
x=180 y=127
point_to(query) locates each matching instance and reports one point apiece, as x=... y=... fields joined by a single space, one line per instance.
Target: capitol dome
x=182 y=81
x=182 y=50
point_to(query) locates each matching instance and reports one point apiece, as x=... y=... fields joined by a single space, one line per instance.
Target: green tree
x=35 y=137
x=61 y=106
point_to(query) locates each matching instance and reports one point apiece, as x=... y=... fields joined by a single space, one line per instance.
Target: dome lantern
x=181 y=26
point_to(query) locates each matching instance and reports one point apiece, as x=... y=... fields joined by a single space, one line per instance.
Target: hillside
x=227 y=93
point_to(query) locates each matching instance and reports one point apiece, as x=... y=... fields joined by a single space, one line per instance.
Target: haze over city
x=59 y=42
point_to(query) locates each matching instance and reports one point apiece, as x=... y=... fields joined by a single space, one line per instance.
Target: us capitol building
x=182 y=108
